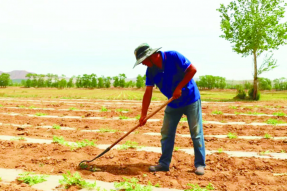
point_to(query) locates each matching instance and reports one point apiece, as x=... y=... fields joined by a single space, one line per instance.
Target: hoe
x=134 y=128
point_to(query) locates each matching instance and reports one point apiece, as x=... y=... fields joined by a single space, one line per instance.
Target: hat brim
x=145 y=56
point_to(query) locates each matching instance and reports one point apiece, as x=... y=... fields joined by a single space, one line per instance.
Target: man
x=172 y=73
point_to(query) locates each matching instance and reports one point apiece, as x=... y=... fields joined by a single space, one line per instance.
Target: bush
x=250 y=93
x=241 y=94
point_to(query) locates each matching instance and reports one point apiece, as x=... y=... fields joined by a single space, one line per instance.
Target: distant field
x=126 y=94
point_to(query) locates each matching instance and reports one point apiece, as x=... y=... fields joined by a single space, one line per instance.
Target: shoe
x=158 y=168
x=199 y=170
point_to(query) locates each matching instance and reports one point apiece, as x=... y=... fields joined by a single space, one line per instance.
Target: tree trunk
x=255 y=84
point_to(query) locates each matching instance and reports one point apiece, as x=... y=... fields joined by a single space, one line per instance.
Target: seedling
x=83 y=166
x=273 y=121
x=19 y=138
x=121 y=110
x=217 y=112
x=0 y=179
x=267 y=136
x=1 y=105
x=102 y=130
x=103 y=109
x=131 y=185
x=21 y=106
x=40 y=114
x=264 y=152
x=75 y=145
x=176 y=148
x=279 y=114
x=123 y=117
x=32 y=107
x=282 y=151
x=72 y=109
x=144 y=175
x=220 y=150
x=138 y=117
x=129 y=145
x=184 y=119
x=196 y=187
x=232 y=107
x=231 y=136
x=56 y=126
x=157 y=185
x=255 y=113
x=32 y=180
x=75 y=180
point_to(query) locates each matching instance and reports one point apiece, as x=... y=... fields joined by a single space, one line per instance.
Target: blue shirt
x=172 y=73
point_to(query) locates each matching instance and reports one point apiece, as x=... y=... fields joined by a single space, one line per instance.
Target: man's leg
x=168 y=130
x=194 y=117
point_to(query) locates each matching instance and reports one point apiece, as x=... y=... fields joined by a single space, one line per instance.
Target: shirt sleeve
x=149 y=78
x=183 y=62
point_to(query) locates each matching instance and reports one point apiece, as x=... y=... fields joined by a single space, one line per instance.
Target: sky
x=74 y=37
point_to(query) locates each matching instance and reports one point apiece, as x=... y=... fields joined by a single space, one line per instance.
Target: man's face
x=151 y=60
x=147 y=62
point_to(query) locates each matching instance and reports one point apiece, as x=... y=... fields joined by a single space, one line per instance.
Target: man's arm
x=145 y=104
x=189 y=73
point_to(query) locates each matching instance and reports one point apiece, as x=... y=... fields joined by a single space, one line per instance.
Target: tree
x=101 y=82
x=265 y=84
x=122 y=81
x=107 y=82
x=116 y=82
x=252 y=26
x=63 y=82
x=140 y=81
x=70 y=83
x=4 y=80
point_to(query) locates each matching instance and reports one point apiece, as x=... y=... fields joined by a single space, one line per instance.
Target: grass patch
x=104 y=109
x=233 y=107
x=129 y=145
x=56 y=126
x=19 y=139
x=40 y=114
x=264 y=152
x=273 y=121
x=195 y=187
x=123 y=117
x=217 y=112
x=73 y=146
x=29 y=178
x=267 y=136
x=72 y=109
x=131 y=185
x=281 y=114
x=232 y=135
x=75 y=180
x=103 y=130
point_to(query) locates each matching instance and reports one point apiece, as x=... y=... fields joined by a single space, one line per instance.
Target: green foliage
x=195 y=187
x=32 y=107
x=220 y=150
x=250 y=93
x=233 y=107
x=104 y=109
x=176 y=148
x=231 y=136
x=103 y=130
x=217 y=112
x=32 y=180
x=140 y=81
x=241 y=94
x=75 y=145
x=131 y=185
x=0 y=179
x=56 y=126
x=129 y=145
x=75 y=180
x=84 y=166
x=265 y=84
x=19 y=138
x=279 y=114
x=121 y=110
x=267 y=136
x=123 y=117
x=280 y=84
x=72 y=109
x=273 y=121
x=211 y=82
x=40 y=114
x=252 y=26
x=4 y=80
x=138 y=117
x=264 y=152
x=183 y=119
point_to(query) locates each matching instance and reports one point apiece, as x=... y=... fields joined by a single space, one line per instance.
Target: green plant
x=0 y=179
x=75 y=145
x=217 y=112
x=59 y=140
x=121 y=110
x=75 y=180
x=144 y=175
x=31 y=180
x=131 y=185
x=40 y=114
x=21 y=106
x=282 y=151
x=176 y=148
x=231 y=136
x=83 y=166
x=137 y=132
x=138 y=117
x=103 y=109
x=279 y=114
x=1 y=105
x=267 y=136
x=102 y=130
x=195 y=187
x=56 y=126
x=19 y=138
x=123 y=117
x=233 y=107
x=183 y=119
x=241 y=94
x=31 y=107
x=72 y=109
x=129 y=145
x=264 y=152
x=220 y=150
x=273 y=121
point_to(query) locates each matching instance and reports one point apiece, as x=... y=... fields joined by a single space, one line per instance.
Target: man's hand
x=142 y=120
x=176 y=93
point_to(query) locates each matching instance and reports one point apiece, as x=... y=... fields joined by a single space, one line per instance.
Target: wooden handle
x=149 y=116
